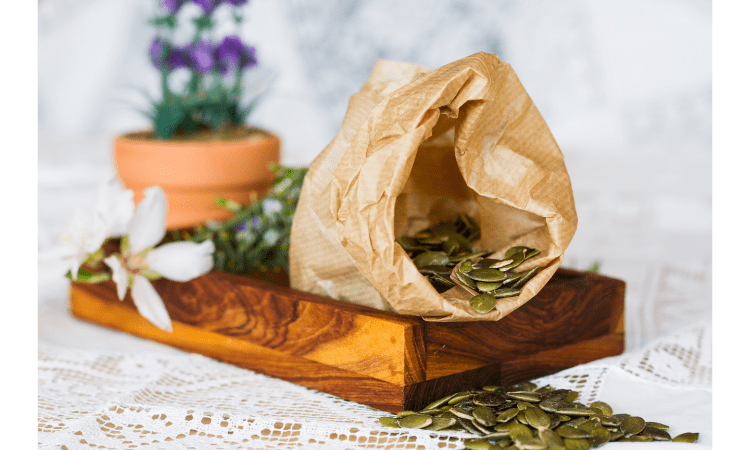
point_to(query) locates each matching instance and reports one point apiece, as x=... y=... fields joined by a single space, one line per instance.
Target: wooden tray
x=385 y=360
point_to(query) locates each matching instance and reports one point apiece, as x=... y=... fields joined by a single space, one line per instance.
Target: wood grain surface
x=385 y=360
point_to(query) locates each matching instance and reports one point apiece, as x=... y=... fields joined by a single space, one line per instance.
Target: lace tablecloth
x=114 y=399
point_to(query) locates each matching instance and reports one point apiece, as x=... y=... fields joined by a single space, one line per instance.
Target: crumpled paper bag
x=418 y=147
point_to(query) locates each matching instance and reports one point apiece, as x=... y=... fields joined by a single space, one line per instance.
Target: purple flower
x=207 y=6
x=201 y=56
x=172 y=5
x=232 y=53
x=237 y=2
x=164 y=56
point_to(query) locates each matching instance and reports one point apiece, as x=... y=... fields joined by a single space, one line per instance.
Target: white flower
x=271 y=206
x=84 y=233
x=178 y=261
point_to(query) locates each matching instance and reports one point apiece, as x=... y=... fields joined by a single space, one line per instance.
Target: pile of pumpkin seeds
x=445 y=256
x=528 y=417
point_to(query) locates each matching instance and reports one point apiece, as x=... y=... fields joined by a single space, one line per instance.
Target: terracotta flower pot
x=194 y=172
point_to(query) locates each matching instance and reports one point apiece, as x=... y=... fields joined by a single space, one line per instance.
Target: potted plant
x=200 y=147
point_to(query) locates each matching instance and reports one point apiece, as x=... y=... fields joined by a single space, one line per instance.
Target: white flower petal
x=150 y=304
x=83 y=232
x=149 y=223
x=114 y=206
x=181 y=261
x=119 y=275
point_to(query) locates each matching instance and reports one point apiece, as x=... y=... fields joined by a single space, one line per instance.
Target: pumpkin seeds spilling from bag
x=531 y=417
x=436 y=250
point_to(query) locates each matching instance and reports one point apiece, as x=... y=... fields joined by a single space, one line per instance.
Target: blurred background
x=625 y=87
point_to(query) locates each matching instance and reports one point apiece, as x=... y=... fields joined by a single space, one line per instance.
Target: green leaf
x=167 y=118
x=84 y=276
x=594 y=268
x=150 y=274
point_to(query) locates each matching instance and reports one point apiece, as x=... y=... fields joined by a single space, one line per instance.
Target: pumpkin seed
x=525 y=396
x=488 y=399
x=435 y=270
x=463 y=414
x=529 y=443
x=507 y=415
x=477 y=444
x=600 y=436
x=538 y=418
x=461 y=396
x=513 y=250
x=526 y=276
x=487 y=287
x=465 y=280
x=567 y=431
x=486 y=275
x=483 y=303
x=658 y=425
x=576 y=444
x=441 y=423
x=636 y=438
x=632 y=425
x=390 y=422
x=686 y=437
x=505 y=292
x=485 y=416
x=415 y=421
x=656 y=433
x=551 y=438
x=606 y=409
x=430 y=259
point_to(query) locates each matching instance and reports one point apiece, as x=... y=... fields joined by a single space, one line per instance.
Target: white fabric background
x=625 y=87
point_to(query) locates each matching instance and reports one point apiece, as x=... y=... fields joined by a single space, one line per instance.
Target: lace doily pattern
x=683 y=359
x=112 y=400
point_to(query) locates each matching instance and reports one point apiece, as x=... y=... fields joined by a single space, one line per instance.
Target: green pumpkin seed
x=607 y=421
x=477 y=444
x=577 y=421
x=415 y=421
x=461 y=396
x=551 y=438
x=430 y=259
x=526 y=276
x=600 y=436
x=657 y=434
x=466 y=425
x=488 y=399
x=537 y=418
x=463 y=256
x=487 y=287
x=486 y=275
x=686 y=437
x=461 y=413
x=572 y=396
x=620 y=417
x=436 y=270
x=505 y=292
x=606 y=409
x=523 y=405
x=556 y=395
x=632 y=425
x=465 y=280
x=637 y=438
x=487 y=263
x=530 y=254
x=512 y=278
x=571 y=432
x=525 y=396
x=440 y=402
x=492 y=388
x=529 y=443
x=405 y=413
x=480 y=427
x=516 y=429
x=521 y=417
x=517 y=260
x=390 y=422
x=507 y=415
x=441 y=423
x=658 y=425
x=615 y=435
x=483 y=303
x=513 y=250
x=576 y=444
x=466 y=266
x=485 y=416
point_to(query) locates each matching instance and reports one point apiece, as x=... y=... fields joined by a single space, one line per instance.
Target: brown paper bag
x=418 y=147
